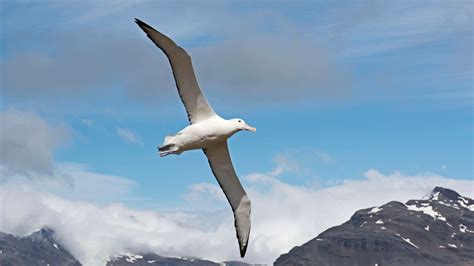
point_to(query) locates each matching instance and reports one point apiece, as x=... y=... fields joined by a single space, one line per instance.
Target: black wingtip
x=243 y=250
x=141 y=24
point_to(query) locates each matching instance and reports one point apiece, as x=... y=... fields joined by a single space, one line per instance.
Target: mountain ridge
x=39 y=248
x=435 y=230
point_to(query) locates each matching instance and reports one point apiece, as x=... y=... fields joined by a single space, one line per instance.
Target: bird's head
x=240 y=124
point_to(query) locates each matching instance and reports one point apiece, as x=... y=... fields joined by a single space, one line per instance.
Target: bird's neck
x=232 y=128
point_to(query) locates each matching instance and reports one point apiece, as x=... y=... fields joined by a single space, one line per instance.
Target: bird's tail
x=168 y=147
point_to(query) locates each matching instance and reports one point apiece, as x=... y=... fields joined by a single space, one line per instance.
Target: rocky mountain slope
x=437 y=230
x=153 y=259
x=39 y=248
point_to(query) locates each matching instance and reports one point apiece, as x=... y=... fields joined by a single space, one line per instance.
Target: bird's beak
x=249 y=128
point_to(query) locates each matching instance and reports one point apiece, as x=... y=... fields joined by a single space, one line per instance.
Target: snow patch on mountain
x=427 y=210
x=409 y=242
x=375 y=210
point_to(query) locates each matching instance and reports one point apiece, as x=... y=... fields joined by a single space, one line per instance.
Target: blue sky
x=391 y=87
x=363 y=100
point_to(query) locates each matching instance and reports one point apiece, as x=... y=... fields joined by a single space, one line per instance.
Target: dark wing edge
x=196 y=105
x=222 y=168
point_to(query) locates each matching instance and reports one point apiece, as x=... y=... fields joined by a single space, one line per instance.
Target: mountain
x=153 y=259
x=39 y=248
x=437 y=230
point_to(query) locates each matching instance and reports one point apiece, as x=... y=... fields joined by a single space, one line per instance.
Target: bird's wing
x=196 y=105
x=221 y=166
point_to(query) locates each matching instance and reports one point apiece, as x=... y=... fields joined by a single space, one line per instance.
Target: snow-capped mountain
x=436 y=230
x=154 y=259
x=39 y=248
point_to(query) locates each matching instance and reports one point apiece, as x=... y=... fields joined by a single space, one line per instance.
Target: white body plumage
x=202 y=135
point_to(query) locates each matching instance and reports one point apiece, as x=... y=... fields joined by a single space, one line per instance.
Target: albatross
x=207 y=131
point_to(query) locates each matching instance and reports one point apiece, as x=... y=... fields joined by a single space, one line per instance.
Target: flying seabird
x=207 y=131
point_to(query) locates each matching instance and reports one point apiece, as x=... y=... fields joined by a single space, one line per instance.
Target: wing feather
x=222 y=168
x=197 y=107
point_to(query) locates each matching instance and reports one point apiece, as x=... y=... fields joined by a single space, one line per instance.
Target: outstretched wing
x=221 y=166
x=196 y=105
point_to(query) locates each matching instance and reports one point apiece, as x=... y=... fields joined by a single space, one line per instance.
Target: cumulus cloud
x=28 y=142
x=283 y=216
x=27 y=145
x=129 y=136
x=94 y=233
x=302 y=211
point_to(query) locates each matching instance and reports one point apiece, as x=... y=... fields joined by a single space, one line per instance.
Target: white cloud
x=77 y=182
x=94 y=233
x=283 y=216
x=28 y=142
x=302 y=212
x=129 y=136
x=27 y=145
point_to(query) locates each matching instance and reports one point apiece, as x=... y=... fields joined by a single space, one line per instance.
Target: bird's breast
x=200 y=136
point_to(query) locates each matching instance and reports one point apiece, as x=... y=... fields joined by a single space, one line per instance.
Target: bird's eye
x=240 y=121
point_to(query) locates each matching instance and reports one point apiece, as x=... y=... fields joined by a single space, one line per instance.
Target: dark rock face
x=153 y=259
x=438 y=230
x=39 y=248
